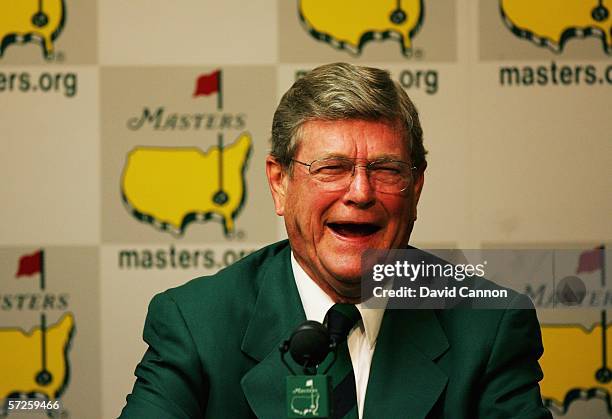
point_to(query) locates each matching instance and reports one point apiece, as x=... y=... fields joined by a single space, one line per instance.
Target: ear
x=417 y=187
x=277 y=182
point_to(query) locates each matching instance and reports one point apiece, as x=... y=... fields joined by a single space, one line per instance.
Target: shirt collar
x=316 y=303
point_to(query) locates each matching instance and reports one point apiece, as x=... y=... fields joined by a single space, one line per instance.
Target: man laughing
x=346 y=171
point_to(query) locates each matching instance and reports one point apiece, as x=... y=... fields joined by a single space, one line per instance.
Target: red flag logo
x=207 y=84
x=29 y=264
x=590 y=261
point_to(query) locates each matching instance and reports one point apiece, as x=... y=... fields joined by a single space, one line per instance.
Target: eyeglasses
x=336 y=173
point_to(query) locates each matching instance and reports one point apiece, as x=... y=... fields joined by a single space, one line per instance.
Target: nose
x=360 y=192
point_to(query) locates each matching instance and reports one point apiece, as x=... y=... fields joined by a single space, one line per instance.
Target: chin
x=346 y=274
x=345 y=261
x=348 y=291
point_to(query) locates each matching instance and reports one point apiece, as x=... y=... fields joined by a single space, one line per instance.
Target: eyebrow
x=378 y=157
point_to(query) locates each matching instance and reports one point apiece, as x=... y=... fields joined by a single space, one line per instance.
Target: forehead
x=351 y=138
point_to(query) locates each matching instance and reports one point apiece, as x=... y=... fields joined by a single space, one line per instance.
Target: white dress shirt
x=361 y=339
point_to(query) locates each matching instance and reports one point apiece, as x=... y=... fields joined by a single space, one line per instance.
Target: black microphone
x=309 y=344
x=308 y=395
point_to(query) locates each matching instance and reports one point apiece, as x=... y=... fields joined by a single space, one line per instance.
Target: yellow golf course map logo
x=24 y=21
x=575 y=365
x=34 y=364
x=350 y=24
x=20 y=359
x=552 y=23
x=171 y=187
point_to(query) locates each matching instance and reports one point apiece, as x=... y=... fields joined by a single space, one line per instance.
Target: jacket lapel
x=278 y=311
x=404 y=381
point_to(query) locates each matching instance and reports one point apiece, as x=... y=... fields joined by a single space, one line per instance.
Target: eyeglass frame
x=355 y=165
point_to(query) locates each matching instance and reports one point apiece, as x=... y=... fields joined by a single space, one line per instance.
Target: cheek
x=400 y=210
x=311 y=209
x=303 y=206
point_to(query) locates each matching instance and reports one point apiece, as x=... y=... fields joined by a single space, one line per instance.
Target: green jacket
x=213 y=353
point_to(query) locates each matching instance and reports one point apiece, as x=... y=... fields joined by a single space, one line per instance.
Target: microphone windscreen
x=309 y=344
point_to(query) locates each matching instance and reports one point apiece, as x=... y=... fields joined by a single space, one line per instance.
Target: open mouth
x=354 y=229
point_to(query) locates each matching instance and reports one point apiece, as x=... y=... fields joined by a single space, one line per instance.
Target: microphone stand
x=309 y=395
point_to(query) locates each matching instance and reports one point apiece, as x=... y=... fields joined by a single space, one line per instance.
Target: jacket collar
x=278 y=311
x=404 y=378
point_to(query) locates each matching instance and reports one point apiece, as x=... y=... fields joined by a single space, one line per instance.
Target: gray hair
x=343 y=91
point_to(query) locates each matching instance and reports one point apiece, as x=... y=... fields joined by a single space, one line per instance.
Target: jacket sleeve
x=170 y=382
x=510 y=384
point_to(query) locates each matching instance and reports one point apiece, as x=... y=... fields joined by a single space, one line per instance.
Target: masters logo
x=24 y=21
x=551 y=23
x=576 y=365
x=576 y=358
x=34 y=363
x=350 y=24
x=172 y=187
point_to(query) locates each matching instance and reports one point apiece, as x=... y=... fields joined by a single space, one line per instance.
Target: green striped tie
x=340 y=319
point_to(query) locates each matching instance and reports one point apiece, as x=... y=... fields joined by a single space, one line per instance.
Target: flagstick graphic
x=600 y=12
x=30 y=265
x=220 y=197
x=398 y=15
x=43 y=377
x=33 y=264
x=42 y=270
x=207 y=84
x=220 y=92
x=604 y=374
x=40 y=18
